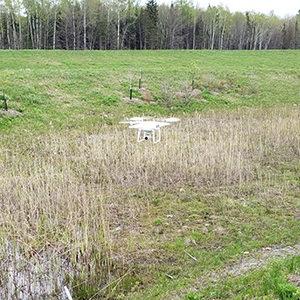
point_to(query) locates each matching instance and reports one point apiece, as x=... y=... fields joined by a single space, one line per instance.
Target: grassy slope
x=63 y=87
x=215 y=219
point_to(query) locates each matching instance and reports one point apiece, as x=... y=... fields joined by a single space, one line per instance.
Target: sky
x=280 y=8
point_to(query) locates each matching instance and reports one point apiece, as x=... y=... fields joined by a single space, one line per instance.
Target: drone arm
x=139 y=139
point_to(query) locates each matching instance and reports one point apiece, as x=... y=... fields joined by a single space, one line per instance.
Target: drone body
x=147 y=129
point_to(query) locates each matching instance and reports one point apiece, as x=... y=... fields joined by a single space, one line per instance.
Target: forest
x=128 y=24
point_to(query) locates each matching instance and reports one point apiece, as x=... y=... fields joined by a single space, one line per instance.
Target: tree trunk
x=73 y=28
x=66 y=36
x=8 y=32
x=107 y=44
x=194 y=33
x=20 y=31
x=84 y=26
x=31 y=30
x=118 y=32
x=54 y=29
x=14 y=30
x=212 y=40
x=37 y=30
x=2 y=37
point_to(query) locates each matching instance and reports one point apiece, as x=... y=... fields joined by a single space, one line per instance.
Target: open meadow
x=211 y=212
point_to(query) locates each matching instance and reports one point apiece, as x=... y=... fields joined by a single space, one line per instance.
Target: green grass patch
x=276 y=281
x=76 y=83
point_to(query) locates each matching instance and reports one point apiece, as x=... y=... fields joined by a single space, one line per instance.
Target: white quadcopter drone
x=147 y=127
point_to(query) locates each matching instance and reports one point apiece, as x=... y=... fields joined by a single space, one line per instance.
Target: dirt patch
x=10 y=112
x=251 y=261
x=146 y=94
x=295 y=279
x=136 y=100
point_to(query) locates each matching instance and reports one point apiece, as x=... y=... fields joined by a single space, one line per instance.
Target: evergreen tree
x=151 y=23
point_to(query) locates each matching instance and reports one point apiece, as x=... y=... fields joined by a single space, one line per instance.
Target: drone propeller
x=169 y=120
x=129 y=122
x=136 y=120
x=141 y=119
x=149 y=125
x=172 y=120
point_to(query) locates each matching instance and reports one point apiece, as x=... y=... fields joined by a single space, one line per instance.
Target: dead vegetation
x=88 y=200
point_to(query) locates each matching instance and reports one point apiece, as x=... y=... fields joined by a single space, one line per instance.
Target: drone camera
x=147 y=136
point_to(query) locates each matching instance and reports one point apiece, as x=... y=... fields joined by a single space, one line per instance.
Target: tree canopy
x=126 y=24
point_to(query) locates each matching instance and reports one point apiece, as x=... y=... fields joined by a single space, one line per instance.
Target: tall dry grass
x=61 y=193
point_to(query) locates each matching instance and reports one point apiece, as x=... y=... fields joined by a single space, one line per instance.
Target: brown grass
x=66 y=194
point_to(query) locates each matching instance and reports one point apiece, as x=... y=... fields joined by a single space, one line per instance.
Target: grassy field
x=211 y=212
x=74 y=89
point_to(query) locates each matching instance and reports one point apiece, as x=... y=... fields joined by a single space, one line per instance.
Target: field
x=211 y=212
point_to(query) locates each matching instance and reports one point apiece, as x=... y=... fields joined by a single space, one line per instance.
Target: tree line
x=126 y=24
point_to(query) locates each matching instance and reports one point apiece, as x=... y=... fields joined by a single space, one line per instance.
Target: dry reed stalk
x=55 y=189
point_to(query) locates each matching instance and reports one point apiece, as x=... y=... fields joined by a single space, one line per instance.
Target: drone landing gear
x=148 y=135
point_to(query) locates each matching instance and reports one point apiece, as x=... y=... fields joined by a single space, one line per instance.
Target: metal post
x=5 y=102
x=130 y=90
x=193 y=82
